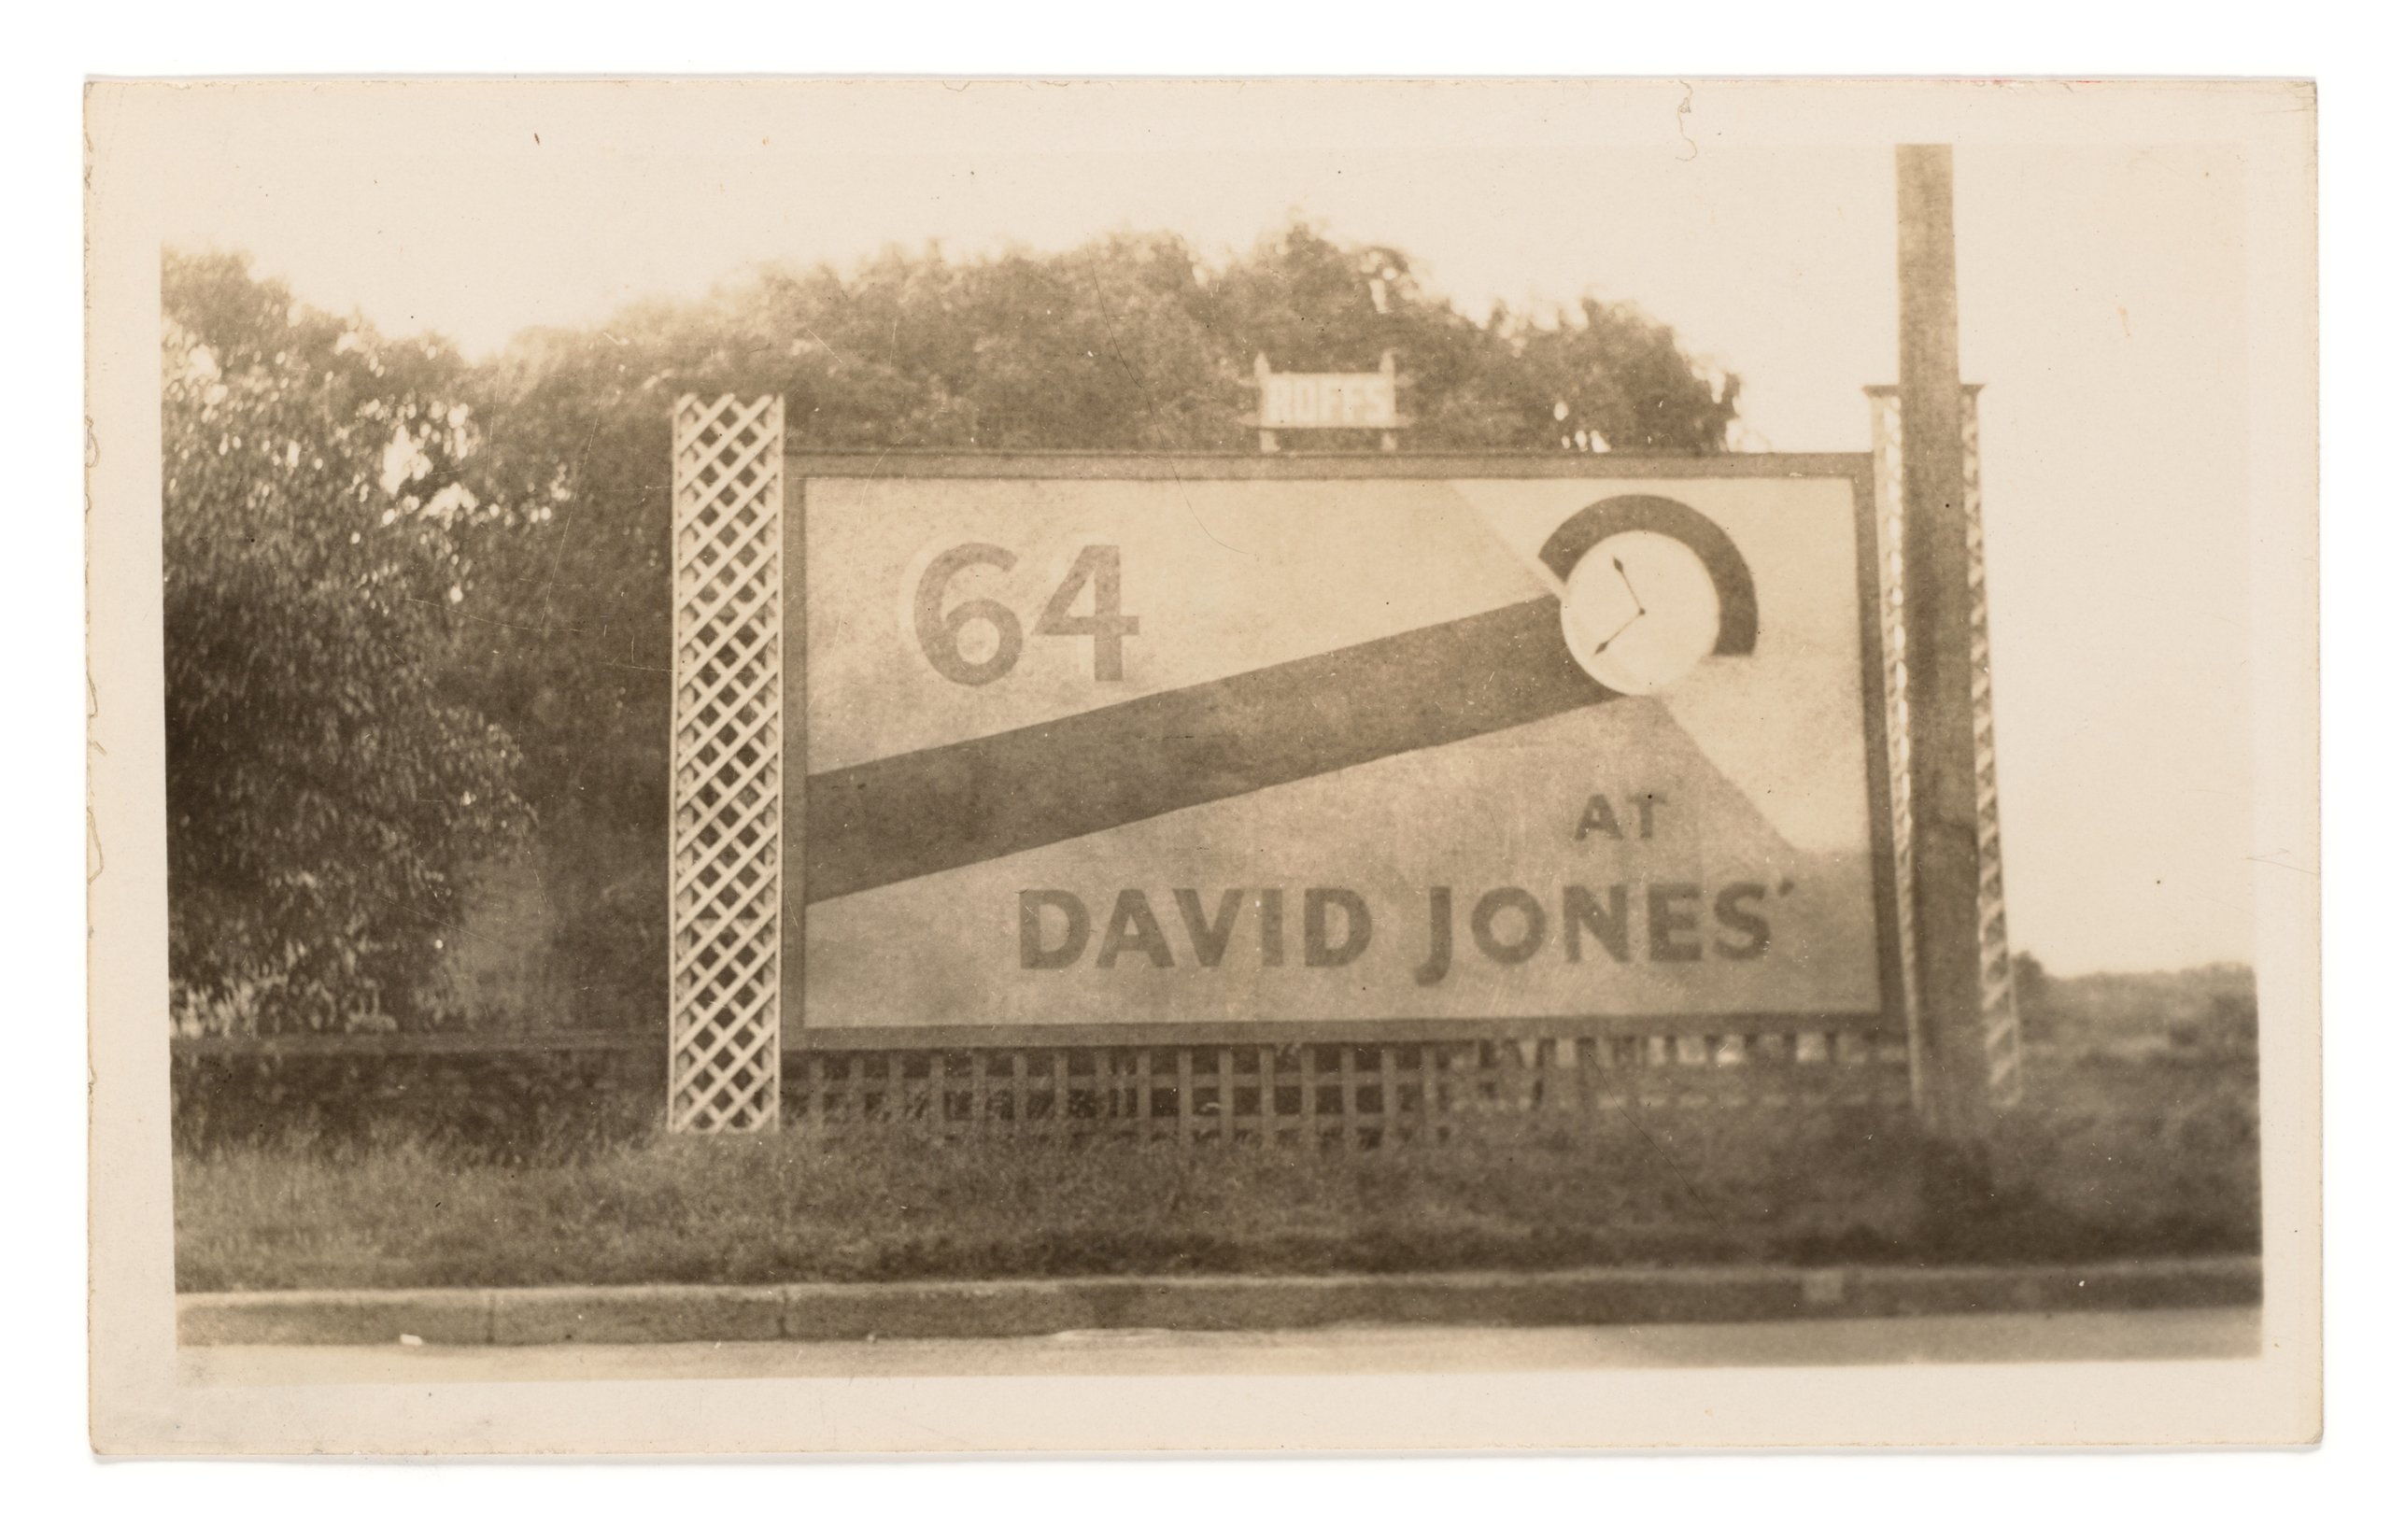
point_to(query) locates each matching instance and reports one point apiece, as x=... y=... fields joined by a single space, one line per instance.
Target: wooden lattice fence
x=1350 y=1094
x=1360 y=1094
x=728 y=737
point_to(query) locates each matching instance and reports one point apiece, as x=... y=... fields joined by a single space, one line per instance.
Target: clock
x=1639 y=610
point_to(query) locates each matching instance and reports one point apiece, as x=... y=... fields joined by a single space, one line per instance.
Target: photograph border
x=143 y=1403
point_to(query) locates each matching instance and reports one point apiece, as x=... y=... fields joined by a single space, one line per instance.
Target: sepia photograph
x=798 y=766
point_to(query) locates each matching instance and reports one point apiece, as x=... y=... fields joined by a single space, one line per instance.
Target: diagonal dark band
x=962 y=803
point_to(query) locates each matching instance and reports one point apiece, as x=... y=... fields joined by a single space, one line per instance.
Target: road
x=2075 y=1336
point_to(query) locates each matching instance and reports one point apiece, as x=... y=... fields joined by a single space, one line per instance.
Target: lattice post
x=2004 y=1047
x=727 y=857
x=2003 y=1054
x=1884 y=423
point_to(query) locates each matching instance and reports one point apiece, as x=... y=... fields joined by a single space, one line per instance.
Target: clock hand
x=1620 y=568
x=1617 y=634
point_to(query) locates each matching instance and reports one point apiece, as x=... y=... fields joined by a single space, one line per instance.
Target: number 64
x=938 y=630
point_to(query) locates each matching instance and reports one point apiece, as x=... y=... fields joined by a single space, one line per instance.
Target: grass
x=2109 y=1159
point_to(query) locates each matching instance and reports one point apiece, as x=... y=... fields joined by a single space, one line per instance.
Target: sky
x=2102 y=307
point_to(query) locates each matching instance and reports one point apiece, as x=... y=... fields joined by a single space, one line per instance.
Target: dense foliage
x=514 y=631
x=324 y=783
x=2210 y=1010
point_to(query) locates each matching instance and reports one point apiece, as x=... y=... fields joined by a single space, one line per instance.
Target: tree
x=324 y=787
x=1310 y=304
x=1131 y=341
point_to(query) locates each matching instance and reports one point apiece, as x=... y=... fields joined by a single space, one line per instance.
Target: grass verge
x=2108 y=1160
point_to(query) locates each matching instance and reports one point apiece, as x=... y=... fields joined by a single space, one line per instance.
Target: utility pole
x=1951 y=1069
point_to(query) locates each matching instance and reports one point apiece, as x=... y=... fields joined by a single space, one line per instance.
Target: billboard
x=1240 y=748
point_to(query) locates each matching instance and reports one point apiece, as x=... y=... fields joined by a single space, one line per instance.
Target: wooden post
x=1262 y=402
x=1948 y=1038
x=1387 y=441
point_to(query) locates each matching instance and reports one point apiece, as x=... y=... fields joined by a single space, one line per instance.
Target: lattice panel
x=1885 y=418
x=2003 y=1049
x=728 y=731
x=1362 y=1095
x=2002 y=1046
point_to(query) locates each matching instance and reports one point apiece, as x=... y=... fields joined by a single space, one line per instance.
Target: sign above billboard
x=1335 y=400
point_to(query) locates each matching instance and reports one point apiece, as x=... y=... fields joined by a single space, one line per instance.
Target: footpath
x=819 y=1312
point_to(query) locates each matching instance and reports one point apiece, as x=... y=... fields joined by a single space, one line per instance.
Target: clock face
x=1639 y=610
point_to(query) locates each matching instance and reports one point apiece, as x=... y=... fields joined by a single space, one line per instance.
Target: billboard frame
x=1888 y=1024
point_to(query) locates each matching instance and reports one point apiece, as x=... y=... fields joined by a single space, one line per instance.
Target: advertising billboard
x=1269 y=748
